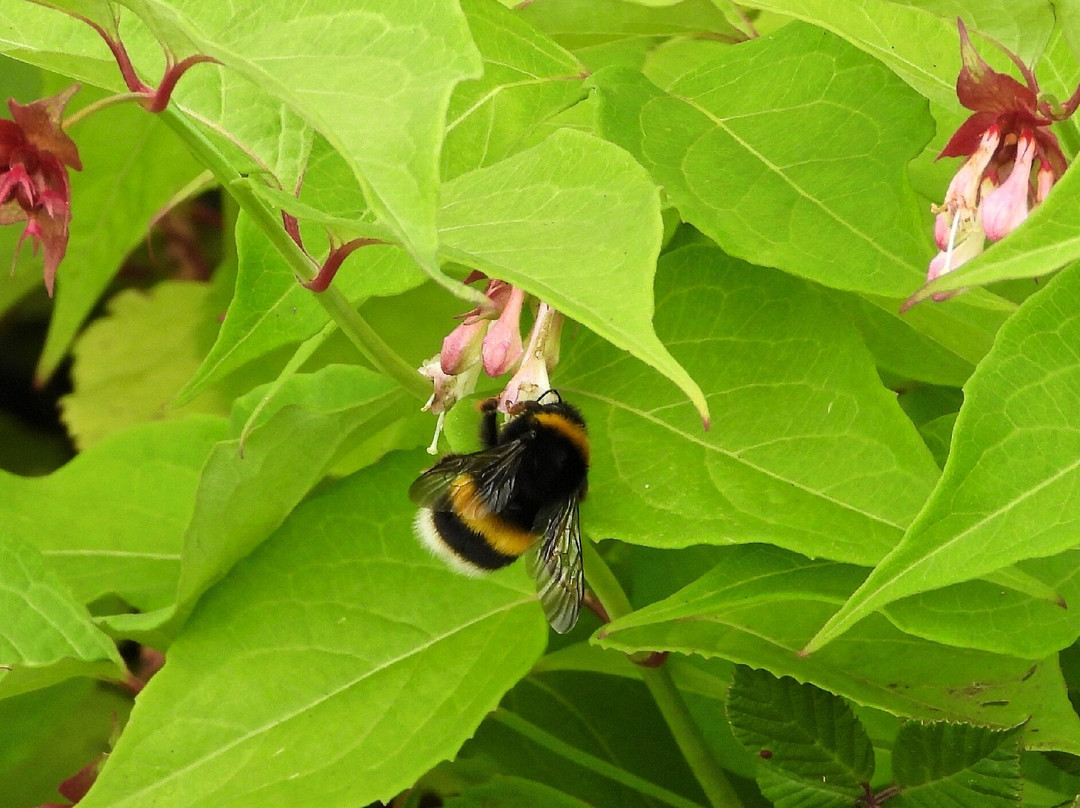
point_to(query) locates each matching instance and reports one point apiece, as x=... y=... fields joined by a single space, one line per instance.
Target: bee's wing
x=494 y=472
x=555 y=563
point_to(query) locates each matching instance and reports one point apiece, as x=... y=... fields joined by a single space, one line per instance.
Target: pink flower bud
x=502 y=345
x=1006 y=207
x=461 y=347
x=1044 y=181
x=942 y=224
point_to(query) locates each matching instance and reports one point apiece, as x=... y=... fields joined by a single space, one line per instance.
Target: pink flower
x=35 y=155
x=1006 y=207
x=994 y=190
x=461 y=347
x=502 y=346
x=531 y=380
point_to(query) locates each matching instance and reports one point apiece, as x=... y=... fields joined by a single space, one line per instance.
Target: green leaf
x=937 y=344
x=119 y=377
x=957 y=766
x=340 y=629
x=576 y=25
x=1007 y=490
x=111 y=520
x=598 y=717
x=271 y=310
x=99 y=12
x=46 y=636
x=919 y=41
x=254 y=130
x=999 y=618
x=813 y=750
x=502 y=791
x=527 y=79
x=759 y=604
x=831 y=204
x=805 y=438
x=244 y=496
x=113 y=201
x=51 y=733
x=326 y=60
x=938 y=436
x=578 y=225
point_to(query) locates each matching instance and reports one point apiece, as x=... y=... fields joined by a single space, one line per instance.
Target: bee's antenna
x=552 y=392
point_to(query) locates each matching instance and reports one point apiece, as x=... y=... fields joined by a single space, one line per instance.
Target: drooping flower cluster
x=1013 y=160
x=489 y=339
x=35 y=154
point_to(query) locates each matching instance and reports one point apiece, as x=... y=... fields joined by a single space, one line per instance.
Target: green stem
x=669 y=700
x=96 y=106
x=595 y=764
x=355 y=327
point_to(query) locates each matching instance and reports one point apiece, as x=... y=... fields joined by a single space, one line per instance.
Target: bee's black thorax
x=555 y=461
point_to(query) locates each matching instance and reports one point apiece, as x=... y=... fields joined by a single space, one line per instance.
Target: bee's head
x=551 y=403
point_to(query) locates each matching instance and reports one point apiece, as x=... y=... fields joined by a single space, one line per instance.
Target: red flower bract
x=35 y=155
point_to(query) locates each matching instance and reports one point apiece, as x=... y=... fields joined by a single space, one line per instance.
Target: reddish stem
x=157 y=99
x=330 y=267
x=173 y=72
x=593 y=604
x=119 y=52
x=1069 y=107
x=292 y=227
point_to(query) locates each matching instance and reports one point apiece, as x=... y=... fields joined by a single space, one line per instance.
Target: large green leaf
x=938 y=344
x=119 y=377
x=994 y=617
x=373 y=78
x=759 y=605
x=919 y=41
x=576 y=222
x=830 y=203
x=245 y=492
x=333 y=667
x=111 y=520
x=45 y=635
x=1010 y=485
x=804 y=441
x=527 y=79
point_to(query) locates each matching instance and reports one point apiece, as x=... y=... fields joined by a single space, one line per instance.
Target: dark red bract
x=997 y=98
x=35 y=155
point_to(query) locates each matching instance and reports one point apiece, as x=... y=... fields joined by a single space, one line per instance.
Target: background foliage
x=730 y=205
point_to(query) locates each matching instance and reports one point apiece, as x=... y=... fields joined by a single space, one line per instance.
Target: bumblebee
x=517 y=495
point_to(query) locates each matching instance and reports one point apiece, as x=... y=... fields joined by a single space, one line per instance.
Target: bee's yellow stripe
x=473 y=511
x=574 y=433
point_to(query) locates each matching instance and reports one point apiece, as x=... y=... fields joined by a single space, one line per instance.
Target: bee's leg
x=489 y=424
